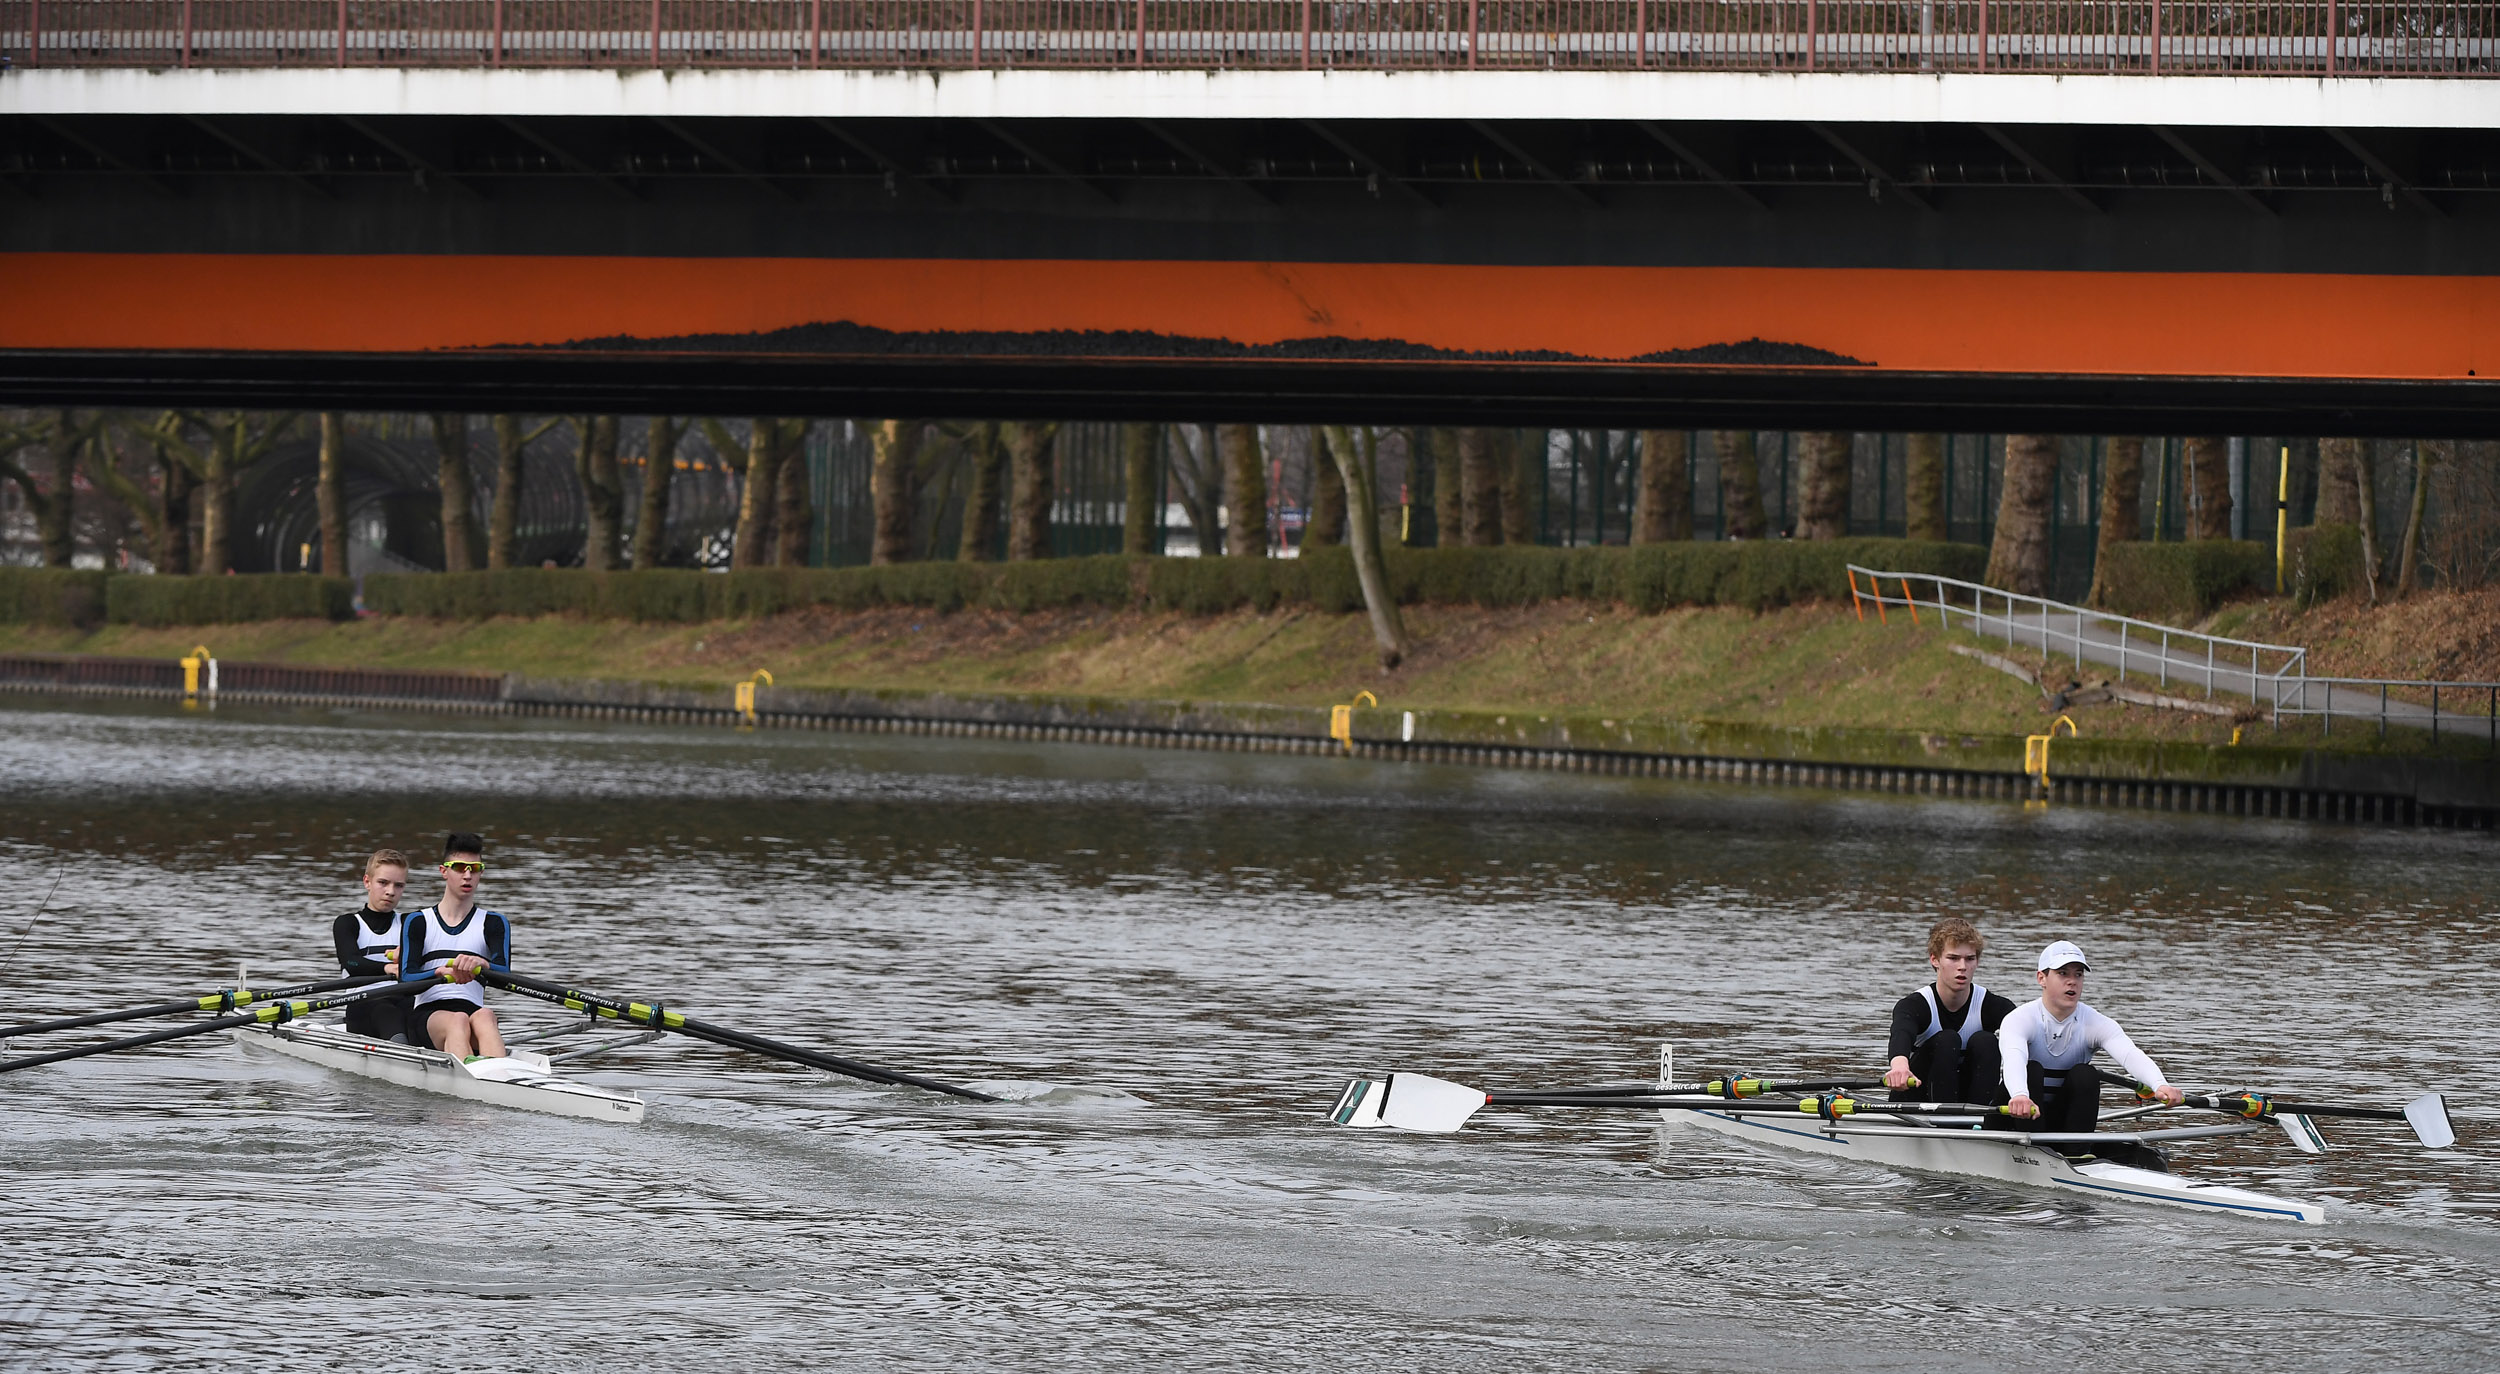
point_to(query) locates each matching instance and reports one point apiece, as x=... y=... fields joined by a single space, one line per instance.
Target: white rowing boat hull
x=1904 y=1144
x=524 y=1082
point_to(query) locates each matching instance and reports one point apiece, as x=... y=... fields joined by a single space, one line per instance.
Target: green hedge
x=2182 y=581
x=2323 y=561
x=52 y=596
x=1649 y=578
x=158 y=600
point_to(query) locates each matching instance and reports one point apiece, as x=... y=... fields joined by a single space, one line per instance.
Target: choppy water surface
x=1196 y=951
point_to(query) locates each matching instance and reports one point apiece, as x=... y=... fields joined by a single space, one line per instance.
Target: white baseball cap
x=2062 y=953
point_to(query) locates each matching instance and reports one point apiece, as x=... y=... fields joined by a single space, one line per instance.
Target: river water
x=1180 y=958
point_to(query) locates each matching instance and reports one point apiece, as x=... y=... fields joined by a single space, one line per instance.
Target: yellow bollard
x=191 y=665
x=1341 y=719
x=2036 y=749
x=746 y=697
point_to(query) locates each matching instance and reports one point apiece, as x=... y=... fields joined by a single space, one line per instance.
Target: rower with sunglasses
x=455 y=939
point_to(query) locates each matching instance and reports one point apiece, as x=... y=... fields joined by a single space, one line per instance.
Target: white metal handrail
x=2274 y=675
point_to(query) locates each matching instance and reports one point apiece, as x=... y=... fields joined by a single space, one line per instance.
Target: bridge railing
x=2153 y=37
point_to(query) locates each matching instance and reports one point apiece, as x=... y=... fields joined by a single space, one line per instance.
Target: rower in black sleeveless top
x=367 y=943
x=1945 y=1036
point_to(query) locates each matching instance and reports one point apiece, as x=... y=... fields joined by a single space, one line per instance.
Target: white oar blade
x=1416 y=1102
x=2305 y=1135
x=1359 y=1104
x=2428 y=1116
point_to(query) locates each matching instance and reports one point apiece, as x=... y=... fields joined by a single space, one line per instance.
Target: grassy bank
x=1810 y=666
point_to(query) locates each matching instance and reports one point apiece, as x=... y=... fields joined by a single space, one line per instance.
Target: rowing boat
x=525 y=1080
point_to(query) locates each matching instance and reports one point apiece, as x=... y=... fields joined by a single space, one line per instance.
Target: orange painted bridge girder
x=1950 y=321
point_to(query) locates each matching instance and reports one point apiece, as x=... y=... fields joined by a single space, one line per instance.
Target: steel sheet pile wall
x=2161 y=37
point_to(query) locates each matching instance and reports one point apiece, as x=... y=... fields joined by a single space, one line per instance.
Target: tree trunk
x=1449 y=489
x=216 y=498
x=2019 y=560
x=1031 y=457
x=503 y=514
x=1479 y=487
x=2338 y=502
x=55 y=524
x=2209 y=478
x=1245 y=490
x=659 y=471
x=1518 y=456
x=1141 y=497
x=2365 y=507
x=1922 y=490
x=330 y=494
x=2122 y=507
x=603 y=493
x=1328 y=496
x=1662 y=504
x=1823 y=507
x=1357 y=474
x=2409 y=550
x=1740 y=484
x=751 y=545
x=894 y=487
x=794 y=524
x=979 y=540
x=451 y=466
x=174 y=497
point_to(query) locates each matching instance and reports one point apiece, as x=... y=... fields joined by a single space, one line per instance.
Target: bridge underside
x=1933 y=273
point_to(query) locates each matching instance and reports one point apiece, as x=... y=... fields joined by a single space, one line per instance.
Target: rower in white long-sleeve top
x=457 y=940
x=367 y=943
x=2046 y=1048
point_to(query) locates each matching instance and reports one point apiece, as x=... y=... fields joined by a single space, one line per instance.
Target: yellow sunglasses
x=464 y=866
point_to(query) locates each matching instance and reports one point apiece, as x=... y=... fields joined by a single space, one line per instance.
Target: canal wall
x=2249 y=779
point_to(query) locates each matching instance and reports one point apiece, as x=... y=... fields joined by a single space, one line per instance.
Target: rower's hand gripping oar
x=222 y=1000
x=266 y=1014
x=659 y=1017
x=2427 y=1115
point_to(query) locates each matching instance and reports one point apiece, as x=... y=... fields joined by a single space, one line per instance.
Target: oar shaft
x=640 y=1013
x=267 y=1012
x=1713 y=1088
x=210 y=1002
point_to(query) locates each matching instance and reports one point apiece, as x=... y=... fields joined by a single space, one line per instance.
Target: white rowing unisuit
x=428 y=942
x=2030 y=1033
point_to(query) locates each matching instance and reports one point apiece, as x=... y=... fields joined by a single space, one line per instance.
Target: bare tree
x=1740 y=484
x=2426 y=455
x=1519 y=458
x=794 y=524
x=2209 y=487
x=2122 y=507
x=1479 y=488
x=1823 y=507
x=894 y=487
x=1140 y=498
x=1662 y=503
x=1326 y=526
x=330 y=494
x=2338 y=502
x=758 y=465
x=64 y=437
x=603 y=492
x=1031 y=458
x=979 y=541
x=503 y=515
x=459 y=492
x=1245 y=490
x=659 y=473
x=1358 y=471
x=2365 y=508
x=2019 y=559
x=1922 y=489
x=227 y=443
x=148 y=508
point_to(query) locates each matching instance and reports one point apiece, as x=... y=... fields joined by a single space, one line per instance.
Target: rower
x=1944 y=1036
x=367 y=942
x=457 y=940
x=2047 y=1048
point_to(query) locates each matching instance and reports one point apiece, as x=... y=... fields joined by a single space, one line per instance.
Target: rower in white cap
x=2046 y=1048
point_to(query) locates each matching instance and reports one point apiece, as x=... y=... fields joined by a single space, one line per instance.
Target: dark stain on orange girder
x=1943 y=321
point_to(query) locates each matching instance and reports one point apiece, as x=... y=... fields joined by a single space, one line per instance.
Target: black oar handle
x=271 y=1012
x=646 y=1014
x=222 y=1000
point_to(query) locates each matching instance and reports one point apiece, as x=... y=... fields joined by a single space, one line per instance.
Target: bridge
x=1969 y=215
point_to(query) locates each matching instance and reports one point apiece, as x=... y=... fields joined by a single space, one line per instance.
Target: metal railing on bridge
x=2274 y=677
x=2152 y=37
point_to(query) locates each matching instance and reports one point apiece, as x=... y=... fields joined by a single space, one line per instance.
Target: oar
x=1730 y=1087
x=2427 y=1114
x=1419 y=1102
x=224 y=999
x=268 y=1014
x=647 y=1014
